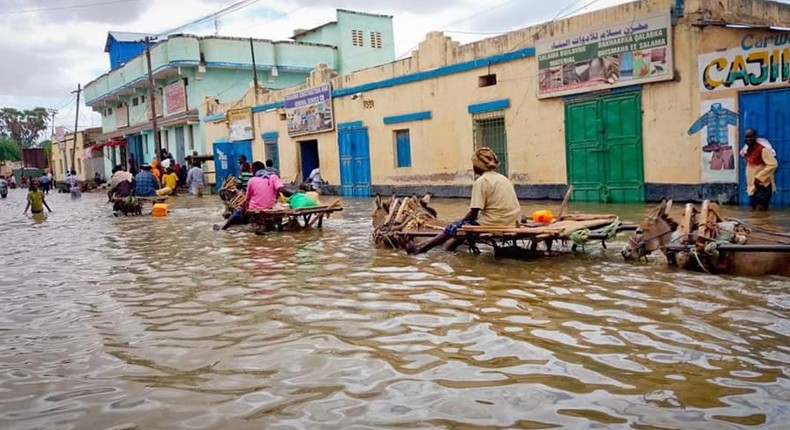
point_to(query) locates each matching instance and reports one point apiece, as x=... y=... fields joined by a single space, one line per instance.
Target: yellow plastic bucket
x=544 y=216
x=159 y=209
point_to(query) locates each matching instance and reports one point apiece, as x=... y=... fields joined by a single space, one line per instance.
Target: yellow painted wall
x=59 y=162
x=442 y=145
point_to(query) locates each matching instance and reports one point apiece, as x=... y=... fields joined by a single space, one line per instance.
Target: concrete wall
x=441 y=146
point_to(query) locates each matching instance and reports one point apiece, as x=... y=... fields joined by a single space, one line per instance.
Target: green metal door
x=584 y=149
x=604 y=149
x=622 y=141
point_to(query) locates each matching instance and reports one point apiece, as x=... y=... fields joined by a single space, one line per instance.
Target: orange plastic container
x=543 y=217
x=159 y=209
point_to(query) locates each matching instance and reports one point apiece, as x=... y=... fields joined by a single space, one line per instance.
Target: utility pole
x=76 y=124
x=254 y=71
x=51 y=162
x=152 y=99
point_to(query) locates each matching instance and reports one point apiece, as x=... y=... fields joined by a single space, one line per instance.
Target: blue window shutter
x=403 y=148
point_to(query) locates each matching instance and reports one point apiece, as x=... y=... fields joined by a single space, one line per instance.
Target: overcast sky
x=48 y=46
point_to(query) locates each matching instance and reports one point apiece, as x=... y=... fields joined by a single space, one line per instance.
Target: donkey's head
x=654 y=232
x=380 y=211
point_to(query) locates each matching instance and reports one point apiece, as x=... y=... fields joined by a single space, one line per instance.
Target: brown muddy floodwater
x=144 y=323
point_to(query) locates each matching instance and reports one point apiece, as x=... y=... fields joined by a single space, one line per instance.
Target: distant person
x=97 y=179
x=314 y=180
x=132 y=165
x=74 y=186
x=195 y=180
x=244 y=165
x=121 y=184
x=145 y=183
x=155 y=170
x=760 y=167
x=270 y=167
x=3 y=187
x=170 y=180
x=51 y=179
x=262 y=191
x=494 y=203
x=44 y=181
x=35 y=200
x=12 y=181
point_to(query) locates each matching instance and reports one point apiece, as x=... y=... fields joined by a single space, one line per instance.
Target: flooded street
x=164 y=323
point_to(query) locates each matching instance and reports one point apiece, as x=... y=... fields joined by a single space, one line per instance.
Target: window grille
x=375 y=39
x=489 y=130
x=357 y=38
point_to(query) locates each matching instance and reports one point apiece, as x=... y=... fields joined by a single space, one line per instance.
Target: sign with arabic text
x=310 y=111
x=240 y=124
x=629 y=53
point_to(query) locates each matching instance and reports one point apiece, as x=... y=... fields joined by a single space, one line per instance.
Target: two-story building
x=192 y=74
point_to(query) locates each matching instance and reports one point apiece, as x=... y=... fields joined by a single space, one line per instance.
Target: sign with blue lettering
x=761 y=60
x=310 y=111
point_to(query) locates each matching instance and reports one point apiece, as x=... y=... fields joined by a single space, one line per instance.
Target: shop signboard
x=310 y=111
x=175 y=97
x=240 y=124
x=632 y=52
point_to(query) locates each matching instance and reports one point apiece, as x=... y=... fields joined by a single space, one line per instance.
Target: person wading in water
x=760 y=167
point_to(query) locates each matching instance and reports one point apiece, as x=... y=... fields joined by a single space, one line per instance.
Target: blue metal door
x=344 y=141
x=361 y=160
x=768 y=112
x=135 y=144
x=241 y=147
x=354 y=149
x=224 y=161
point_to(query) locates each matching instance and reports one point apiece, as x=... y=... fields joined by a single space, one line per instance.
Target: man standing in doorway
x=244 y=166
x=760 y=167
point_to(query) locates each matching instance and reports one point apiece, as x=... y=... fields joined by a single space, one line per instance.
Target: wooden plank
x=565 y=202
x=704 y=216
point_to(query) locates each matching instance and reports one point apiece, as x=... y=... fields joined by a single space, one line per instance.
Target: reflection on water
x=164 y=323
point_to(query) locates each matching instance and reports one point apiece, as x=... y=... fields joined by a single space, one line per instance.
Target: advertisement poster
x=717 y=127
x=310 y=111
x=240 y=124
x=629 y=53
x=760 y=60
x=175 y=97
x=60 y=136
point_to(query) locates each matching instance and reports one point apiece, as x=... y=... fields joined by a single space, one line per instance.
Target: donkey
x=655 y=233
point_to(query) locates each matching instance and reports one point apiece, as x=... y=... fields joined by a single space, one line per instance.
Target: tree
x=23 y=126
x=47 y=146
x=9 y=150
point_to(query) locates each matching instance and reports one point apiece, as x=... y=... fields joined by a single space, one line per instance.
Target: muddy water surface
x=164 y=323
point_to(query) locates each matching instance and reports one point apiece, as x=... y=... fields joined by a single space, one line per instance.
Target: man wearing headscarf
x=494 y=202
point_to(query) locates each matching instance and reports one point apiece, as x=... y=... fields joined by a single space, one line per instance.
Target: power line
x=78 y=6
x=212 y=16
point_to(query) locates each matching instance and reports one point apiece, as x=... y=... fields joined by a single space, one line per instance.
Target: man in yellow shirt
x=760 y=167
x=170 y=180
x=494 y=203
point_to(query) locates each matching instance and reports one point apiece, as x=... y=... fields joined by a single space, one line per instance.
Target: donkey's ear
x=426 y=198
x=656 y=213
x=667 y=208
x=377 y=201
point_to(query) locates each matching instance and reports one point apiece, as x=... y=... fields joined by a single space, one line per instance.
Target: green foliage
x=47 y=146
x=9 y=150
x=23 y=126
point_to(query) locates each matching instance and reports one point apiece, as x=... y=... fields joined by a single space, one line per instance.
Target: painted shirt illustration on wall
x=716 y=120
x=717 y=150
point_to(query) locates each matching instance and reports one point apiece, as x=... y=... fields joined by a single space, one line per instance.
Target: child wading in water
x=35 y=200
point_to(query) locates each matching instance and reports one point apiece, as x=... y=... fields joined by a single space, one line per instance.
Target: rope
x=579 y=237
